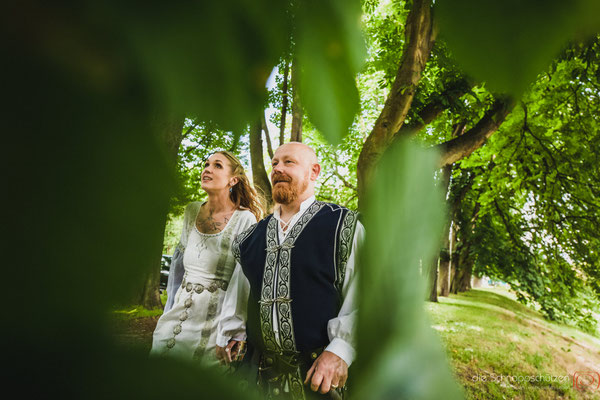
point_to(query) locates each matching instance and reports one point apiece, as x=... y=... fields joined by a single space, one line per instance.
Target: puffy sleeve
x=341 y=328
x=232 y=320
x=176 y=269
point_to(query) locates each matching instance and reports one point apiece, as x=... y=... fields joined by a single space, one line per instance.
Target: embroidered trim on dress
x=213 y=301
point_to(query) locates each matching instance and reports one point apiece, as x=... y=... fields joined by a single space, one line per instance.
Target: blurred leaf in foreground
x=330 y=52
x=508 y=43
x=399 y=357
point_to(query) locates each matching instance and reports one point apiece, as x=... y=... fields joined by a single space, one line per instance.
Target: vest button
x=313 y=355
x=269 y=361
x=276 y=391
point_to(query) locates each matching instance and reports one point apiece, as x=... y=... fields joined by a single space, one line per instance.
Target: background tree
x=170 y=135
x=85 y=84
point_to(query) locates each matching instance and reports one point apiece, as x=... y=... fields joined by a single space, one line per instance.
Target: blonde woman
x=203 y=262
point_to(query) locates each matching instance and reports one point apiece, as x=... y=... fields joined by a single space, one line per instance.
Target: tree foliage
x=537 y=184
x=86 y=82
x=526 y=201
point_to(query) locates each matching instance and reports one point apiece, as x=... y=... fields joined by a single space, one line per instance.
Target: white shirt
x=232 y=321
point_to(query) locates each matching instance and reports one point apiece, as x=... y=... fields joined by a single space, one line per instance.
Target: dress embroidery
x=213 y=302
x=220 y=281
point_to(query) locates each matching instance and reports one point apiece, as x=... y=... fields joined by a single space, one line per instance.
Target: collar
x=303 y=206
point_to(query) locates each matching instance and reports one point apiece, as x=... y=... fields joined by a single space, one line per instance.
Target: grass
x=494 y=345
x=501 y=349
x=141 y=312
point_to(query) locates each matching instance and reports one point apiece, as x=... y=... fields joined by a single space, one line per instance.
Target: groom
x=292 y=294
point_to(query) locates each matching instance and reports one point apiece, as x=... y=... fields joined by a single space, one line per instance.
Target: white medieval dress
x=200 y=271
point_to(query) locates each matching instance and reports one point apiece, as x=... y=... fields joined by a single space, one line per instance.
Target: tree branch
x=344 y=181
x=462 y=146
x=265 y=129
x=434 y=108
x=420 y=35
x=284 y=90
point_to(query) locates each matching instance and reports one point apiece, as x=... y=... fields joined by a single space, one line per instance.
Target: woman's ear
x=233 y=181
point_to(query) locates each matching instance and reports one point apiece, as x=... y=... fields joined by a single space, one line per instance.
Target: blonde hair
x=243 y=193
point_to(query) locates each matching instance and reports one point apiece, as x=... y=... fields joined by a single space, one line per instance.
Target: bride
x=203 y=263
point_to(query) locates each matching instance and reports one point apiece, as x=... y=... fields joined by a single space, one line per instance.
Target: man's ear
x=315 y=170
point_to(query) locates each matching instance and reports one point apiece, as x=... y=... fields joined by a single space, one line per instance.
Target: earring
x=230 y=189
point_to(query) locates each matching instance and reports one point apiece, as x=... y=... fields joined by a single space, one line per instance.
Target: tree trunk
x=477 y=282
x=463 y=145
x=259 y=173
x=434 y=108
x=464 y=281
x=149 y=297
x=419 y=35
x=284 y=103
x=433 y=288
x=444 y=274
x=296 y=135
x=170 y=134
x=461 y=269
x=265 y=129
x=443 y=285
x=433 y=278
x=452 y=256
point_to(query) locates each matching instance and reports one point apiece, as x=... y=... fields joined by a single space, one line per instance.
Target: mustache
x=279 y=177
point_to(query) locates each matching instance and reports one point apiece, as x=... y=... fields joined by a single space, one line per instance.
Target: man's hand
x=232 y=352
x=327 y=372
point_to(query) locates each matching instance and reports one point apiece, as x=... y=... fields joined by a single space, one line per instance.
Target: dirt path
x=135 y=331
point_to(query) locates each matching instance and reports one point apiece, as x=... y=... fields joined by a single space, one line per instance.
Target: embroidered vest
x=297 y=282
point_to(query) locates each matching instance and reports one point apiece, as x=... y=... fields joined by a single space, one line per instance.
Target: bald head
x=301 y=150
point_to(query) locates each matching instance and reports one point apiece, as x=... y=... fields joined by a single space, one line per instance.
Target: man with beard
x=292 y=294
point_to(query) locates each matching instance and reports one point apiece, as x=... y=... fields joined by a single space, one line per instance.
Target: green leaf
x=330 y=51
x=207 y=59
x=507 y=43
x=403 y=221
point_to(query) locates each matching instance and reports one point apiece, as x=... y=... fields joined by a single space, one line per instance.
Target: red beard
x=286 y=193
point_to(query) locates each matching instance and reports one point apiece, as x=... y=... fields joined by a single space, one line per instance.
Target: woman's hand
x=234 y=351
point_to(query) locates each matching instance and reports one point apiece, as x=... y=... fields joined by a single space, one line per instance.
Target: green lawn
x=496 y=345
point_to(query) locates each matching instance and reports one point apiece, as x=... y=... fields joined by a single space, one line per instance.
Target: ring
x=227 y=349
x=334 y=386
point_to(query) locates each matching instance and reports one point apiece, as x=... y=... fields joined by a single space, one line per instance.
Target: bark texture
x=444 y=271
x=420 y=36
x=265 y=129
x=433 y=278
x=170 y=134
x=259 y=173
x=434 y=108
x=284 y=103
x=442 y=259
x=462 y=146
x=296 y=135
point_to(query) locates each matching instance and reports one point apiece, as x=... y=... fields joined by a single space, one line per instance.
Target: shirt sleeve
x=341 y=328
x=176 y=269
x=232 y=320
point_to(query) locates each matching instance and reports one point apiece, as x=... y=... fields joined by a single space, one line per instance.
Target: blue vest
x=300 y=279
